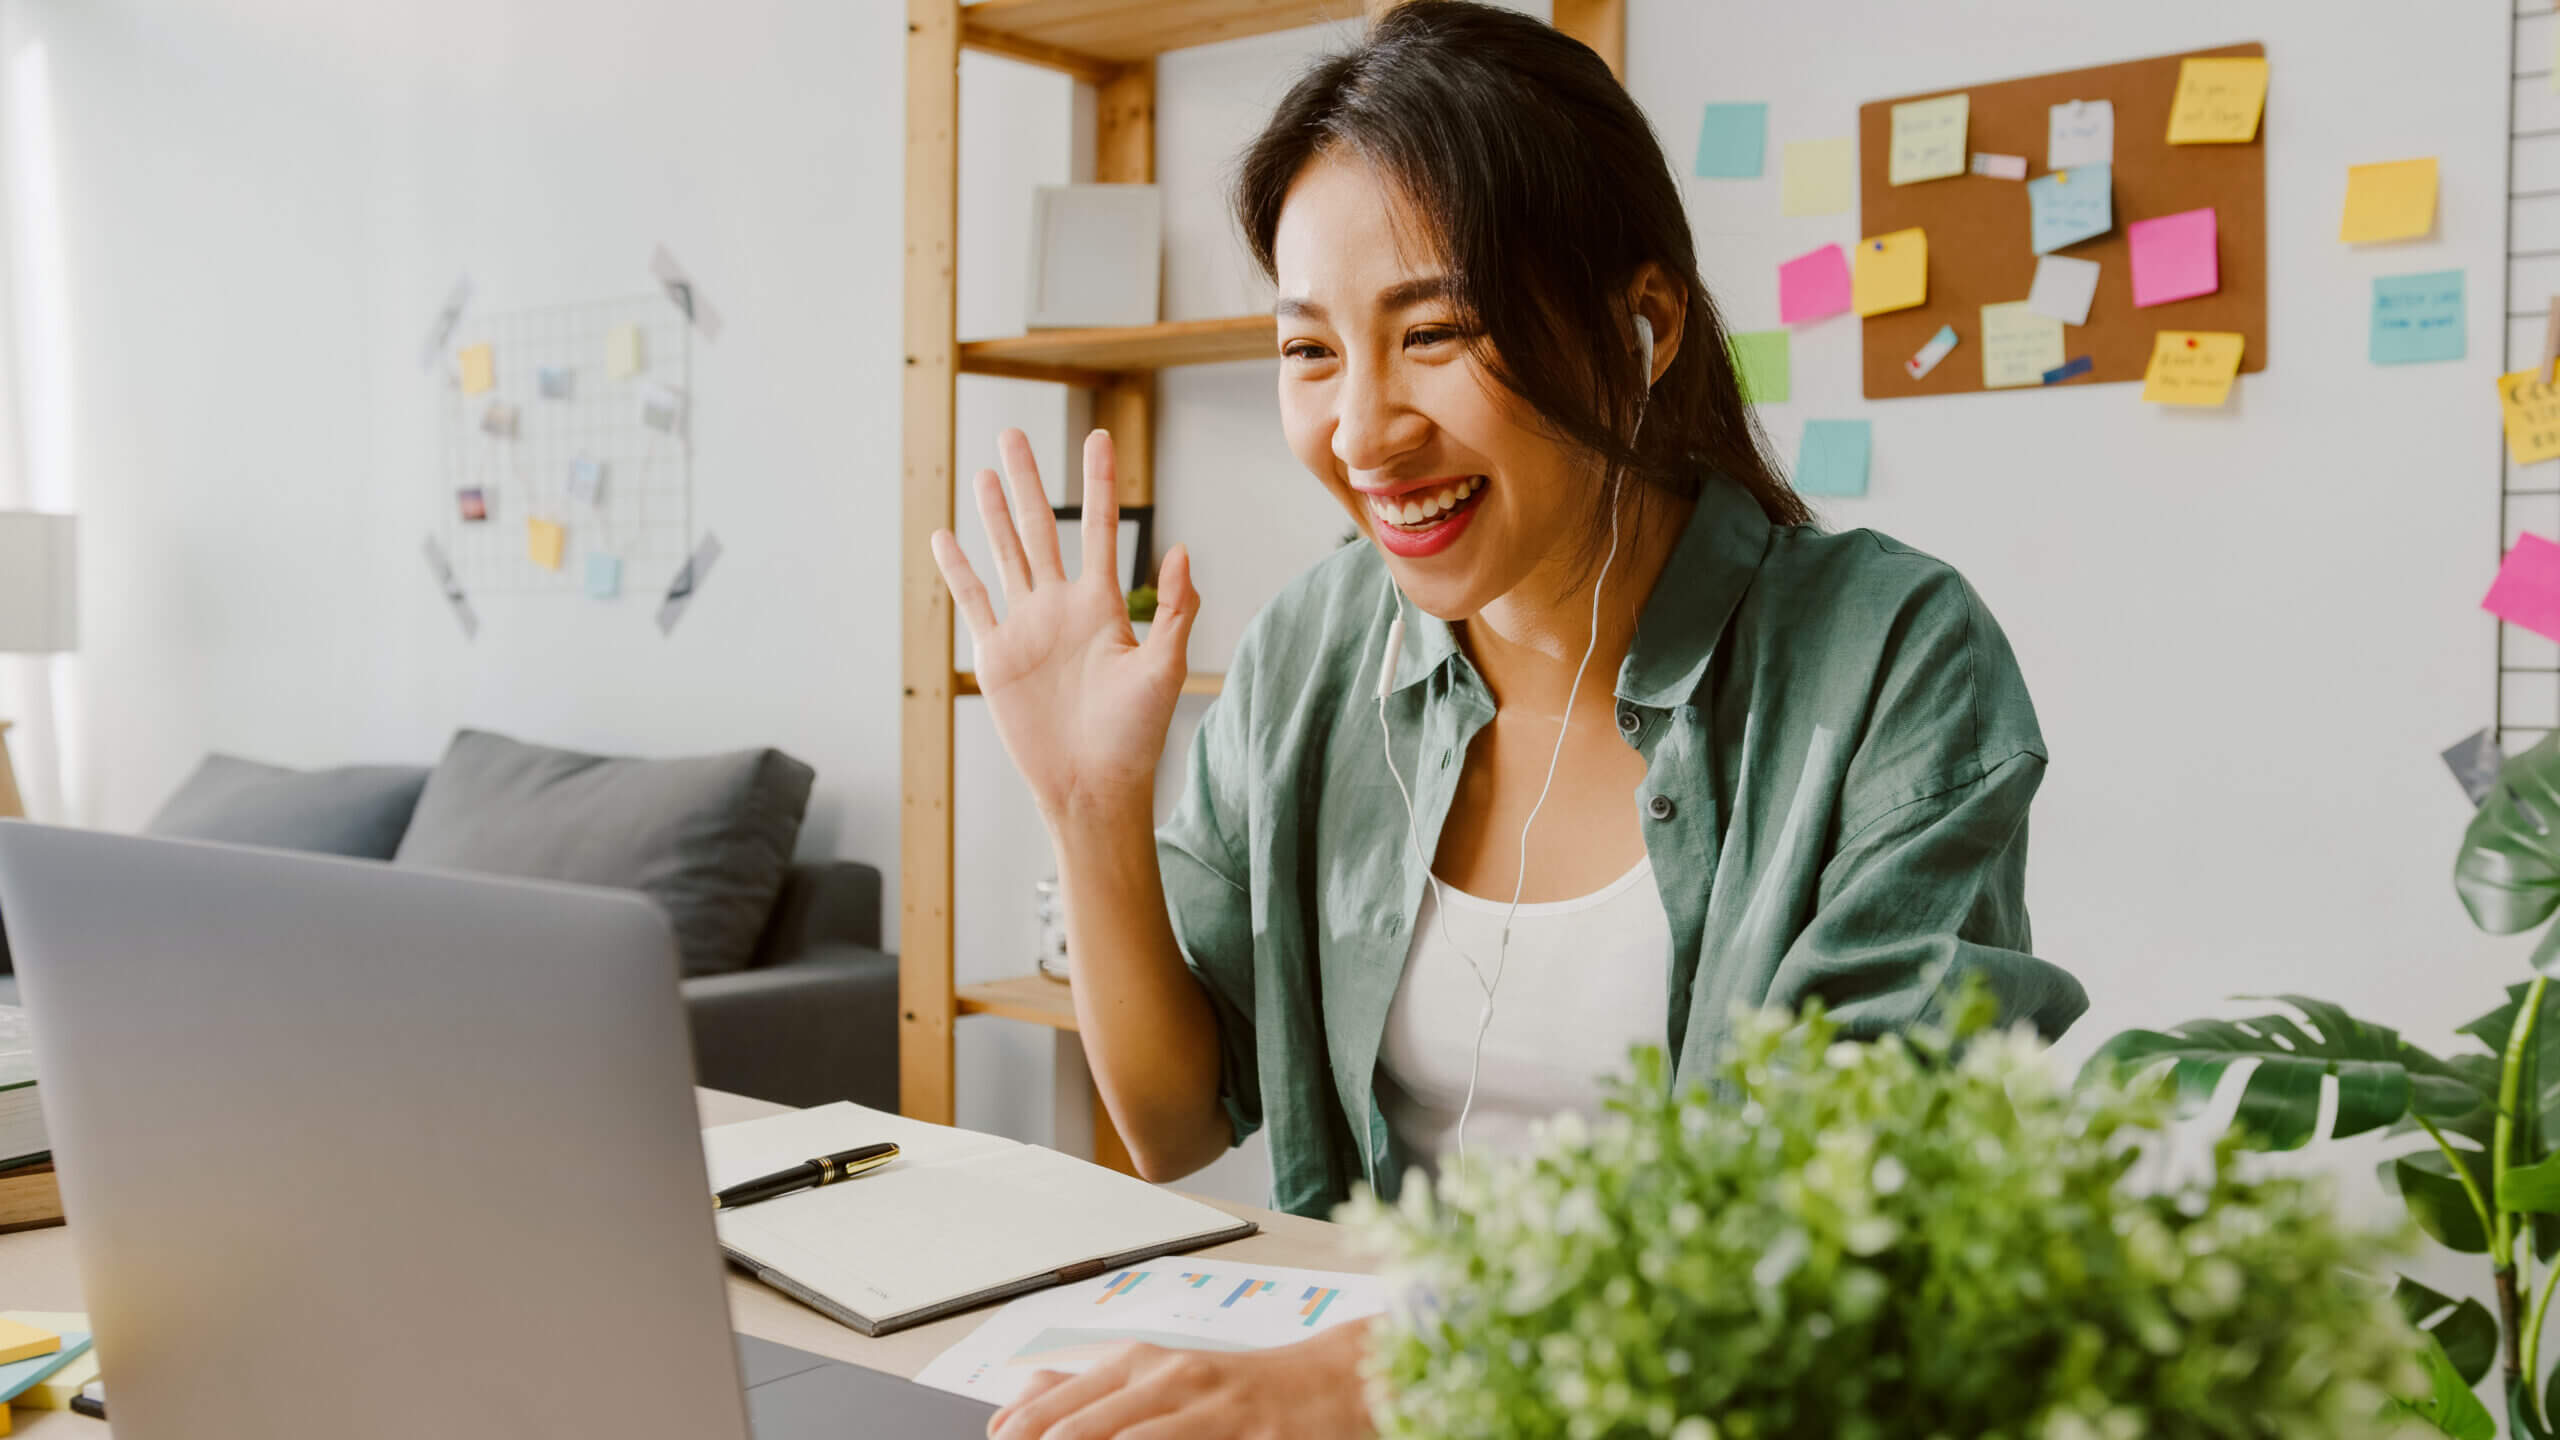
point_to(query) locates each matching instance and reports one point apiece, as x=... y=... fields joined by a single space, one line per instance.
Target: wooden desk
x=37 y=1272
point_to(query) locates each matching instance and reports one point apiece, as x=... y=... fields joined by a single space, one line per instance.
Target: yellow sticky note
x=2395 y=201
x=623 y=354
x=479 y=369
x=54 y=1392
x=2192 y=367
x=1928 y=139
x=22 y=1341
x=2218 y=102
x=2532 y=408
x=1818 y=177
x=546 y=543
x=2018 y=345
x=1890 y=272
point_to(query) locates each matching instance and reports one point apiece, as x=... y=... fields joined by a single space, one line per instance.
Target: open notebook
x=959 y=1219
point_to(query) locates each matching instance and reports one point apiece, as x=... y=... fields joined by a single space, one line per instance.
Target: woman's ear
x=1666 y=305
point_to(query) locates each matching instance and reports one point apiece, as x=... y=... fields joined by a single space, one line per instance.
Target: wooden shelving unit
x=1111 y=44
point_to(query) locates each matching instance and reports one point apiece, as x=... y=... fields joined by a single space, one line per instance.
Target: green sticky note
x=2417 y=318
x=1731 y=141
x=1760 y=362
x=1833 y=458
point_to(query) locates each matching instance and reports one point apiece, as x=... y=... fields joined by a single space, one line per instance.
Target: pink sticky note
x=2173 y=257
x=1812 y=286
x=2527 y=590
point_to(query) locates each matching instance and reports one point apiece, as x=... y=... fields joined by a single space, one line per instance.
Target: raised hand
x=1081 y=704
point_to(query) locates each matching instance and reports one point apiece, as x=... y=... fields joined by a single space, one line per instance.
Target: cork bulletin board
x=1978 y=237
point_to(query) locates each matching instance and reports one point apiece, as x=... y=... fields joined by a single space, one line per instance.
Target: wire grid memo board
x=642 y=510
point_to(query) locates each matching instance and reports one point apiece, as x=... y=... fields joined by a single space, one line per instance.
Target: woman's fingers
x=1101 y=510
x=998 y=521
x=1033 y=1416
x=1177 y=604
x=968 y=594
x=1031 y=513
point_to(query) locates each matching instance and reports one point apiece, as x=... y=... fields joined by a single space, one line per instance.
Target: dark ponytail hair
x=1548 y=192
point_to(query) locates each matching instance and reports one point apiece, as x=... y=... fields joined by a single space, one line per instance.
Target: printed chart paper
x=2192 y=367
x=1890 y=272
x=2218 y=101
x=1818 y=177
x=1928 y=139
x=2080 y=132
x=2018 y=345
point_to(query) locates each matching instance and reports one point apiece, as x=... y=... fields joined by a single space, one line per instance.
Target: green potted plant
x=1925 y=1236
x=2484 y=1179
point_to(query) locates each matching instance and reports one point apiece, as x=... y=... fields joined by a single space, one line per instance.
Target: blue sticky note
x=2417 y=318
x=16 y=1376
x=604 y=575
x=1732 y=140
x=2069 y=206
x=2078 y=365
x=1833 y=458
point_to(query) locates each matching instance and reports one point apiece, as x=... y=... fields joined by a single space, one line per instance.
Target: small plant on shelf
x=1142 y=604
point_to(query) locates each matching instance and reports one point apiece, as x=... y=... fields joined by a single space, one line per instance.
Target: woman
x=1765 y=764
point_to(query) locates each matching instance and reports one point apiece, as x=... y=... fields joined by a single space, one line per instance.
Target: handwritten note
x=1760 y=362
x=1818 y=177
x=1928 y=139
x=604 y=575
x=2218 y=102
x=1833 y=458
x=2527 y=590
x=2063 y=288
x=2532 y=408
x=2080 y=132
x=2069 y=206
x=2174 y=257
x=2394 y=201
x=624 y=355
x=1890 y=272
x=2192 y=367
x=546 y=542
x=479 y=369
x=1813 y=286
x=2018 y=345
x=1731 y=141
x=1926 y=358
x=2417 y=318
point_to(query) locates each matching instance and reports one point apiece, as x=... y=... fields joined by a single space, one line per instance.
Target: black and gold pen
x=807 y=1175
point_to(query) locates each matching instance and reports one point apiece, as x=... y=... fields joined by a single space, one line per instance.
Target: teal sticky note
x=1760 y=363
x=604 y=575
x=1833 y=458
x=2417 y=318
x=2069 y=206
x=16 y=1376
x=1731 y=141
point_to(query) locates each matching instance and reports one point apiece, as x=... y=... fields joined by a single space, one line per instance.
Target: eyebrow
x=1394 y=297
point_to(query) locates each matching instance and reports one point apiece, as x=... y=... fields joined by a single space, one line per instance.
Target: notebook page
x=749 y=1148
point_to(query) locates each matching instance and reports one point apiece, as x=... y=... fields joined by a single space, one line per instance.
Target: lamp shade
x=39 y=584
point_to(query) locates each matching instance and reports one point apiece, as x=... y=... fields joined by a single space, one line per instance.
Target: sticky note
x=500 y=419
x=2000 y=167
x=20 y=1341
x=1760 y=362
x=604 y=575
x=17 y=1375
x=473 y=503
x=55 y=1391
x=624 y=355
x=2069 y=206
x=2080 y=132
x=1890 y=272
x=556 y=382
x=2531 y=404
x=2417 y=318
x=479 y=369
x=2174 y=257
x=662 y=408
x=2063 y=288
x=1935 y=349
x=2394 y=201
x=2191 y=367
x=586 y=479
x=1833 y=458
x=546 y=543
x=1928 y=139
x=1731 y=141
x=2527 y=590
x=2018 y=345
x=2217 y=102
x=1817 y=177
x=1813 y=285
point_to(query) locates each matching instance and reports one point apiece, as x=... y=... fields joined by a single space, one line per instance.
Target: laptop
x=353 y=1149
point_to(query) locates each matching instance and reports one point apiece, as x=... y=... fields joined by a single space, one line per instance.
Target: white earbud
x=1644 y=348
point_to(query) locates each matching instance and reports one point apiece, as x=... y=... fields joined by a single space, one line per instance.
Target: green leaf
x=2522 y=1423
x=2425 y=1183
x=2466 y=1329
x=2449 y=1405
x=2508 y=873
x=2533 y=1188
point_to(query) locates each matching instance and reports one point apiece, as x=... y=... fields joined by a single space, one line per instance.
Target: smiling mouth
x=1421 y=512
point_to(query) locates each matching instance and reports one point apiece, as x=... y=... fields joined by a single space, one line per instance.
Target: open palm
x=1081 y=704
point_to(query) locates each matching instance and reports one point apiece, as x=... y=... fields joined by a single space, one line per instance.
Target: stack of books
x=29 y=1198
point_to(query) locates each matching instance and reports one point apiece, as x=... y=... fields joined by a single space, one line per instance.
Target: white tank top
x=1583 y=980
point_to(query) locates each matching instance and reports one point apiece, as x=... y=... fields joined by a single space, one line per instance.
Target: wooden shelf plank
x=1075 y=356
x=1034 y=998
x=1124 y=30
x=1198 y=682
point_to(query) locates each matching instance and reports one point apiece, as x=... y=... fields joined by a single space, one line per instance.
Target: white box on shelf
x=1097 y=256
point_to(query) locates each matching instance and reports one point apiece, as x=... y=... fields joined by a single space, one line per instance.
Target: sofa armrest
x=816 y=1028
x=825 y=902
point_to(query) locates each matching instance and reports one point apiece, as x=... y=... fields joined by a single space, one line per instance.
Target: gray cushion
x=708 y=837
x=357 y=810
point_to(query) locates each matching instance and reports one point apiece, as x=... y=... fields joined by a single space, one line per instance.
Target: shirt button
x=1659 y=807
x=1629 y=722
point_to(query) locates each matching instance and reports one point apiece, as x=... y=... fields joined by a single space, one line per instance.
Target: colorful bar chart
x=1317 y=1297
x=1251 y=1286
x=1121 y=1284
x=1196 y=1282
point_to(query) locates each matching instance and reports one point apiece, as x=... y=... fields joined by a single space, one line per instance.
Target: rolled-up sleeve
x=1204 y=852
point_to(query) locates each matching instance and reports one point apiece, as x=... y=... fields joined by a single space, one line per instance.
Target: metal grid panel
x=2528 y=682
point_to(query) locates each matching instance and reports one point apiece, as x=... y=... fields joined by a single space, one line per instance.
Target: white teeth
x=1412 y=513
x=1416 y=509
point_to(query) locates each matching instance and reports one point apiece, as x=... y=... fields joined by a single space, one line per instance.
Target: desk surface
x=37 y=1272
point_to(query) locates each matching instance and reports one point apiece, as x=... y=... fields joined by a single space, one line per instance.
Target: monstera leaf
x=2464 y=1328
x=2508 y=873
x=2449 y=1405
x=2381 y=1077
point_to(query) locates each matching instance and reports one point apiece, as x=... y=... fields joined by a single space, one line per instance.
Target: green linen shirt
x=1839 y=753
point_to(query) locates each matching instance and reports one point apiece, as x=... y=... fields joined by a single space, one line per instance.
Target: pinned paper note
x=624 y=355
x=689 y=577
x=556 y=382
x=1926 y=358
x=440 y=333
x=2549 y=369
x=2000 y=167
x=1833 y=458
x=546 y=542
x=1928 y=139
x=2076 y=365
x=2069 y=206
x=2174 y=257
x=1732 y=140
x=1818 y=177
x=479 y=369
x=1760 y=362
x=2531 y=406
x=473 y=504
x=662 y=408
x=686 y=295
x=501 y=419
x=2063 y=288
x=2527 y=590
x=2018 y=345
x=1813 y=285
x=2217 y=101
x=586 y=479
x=442 y=569
x=1890 y=272
x=2080 y=132
x=2475 y=761
x=604 y=575
x=2394 y=201
x=2191 y=367
x=2417 y=318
